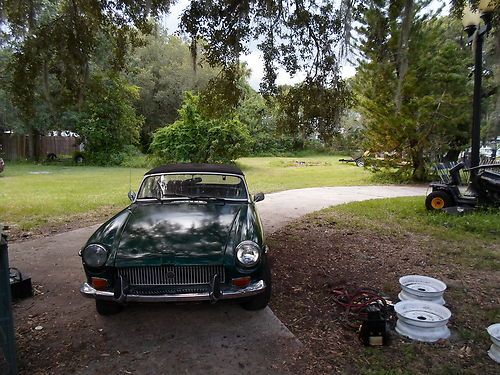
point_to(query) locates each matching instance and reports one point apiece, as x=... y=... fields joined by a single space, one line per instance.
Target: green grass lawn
x=469 y=238
x=32 y=196
x=270 y=174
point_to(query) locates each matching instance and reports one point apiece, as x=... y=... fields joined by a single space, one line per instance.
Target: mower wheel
x=437 y=200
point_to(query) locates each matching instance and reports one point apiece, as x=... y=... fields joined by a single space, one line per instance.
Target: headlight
x=94 y=255
x=248 y=253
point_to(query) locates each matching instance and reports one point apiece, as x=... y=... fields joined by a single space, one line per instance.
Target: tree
x=55 y=45
x=310 y=109
x=108 y=122
x=162 y=69
x=259 y=116
x=9 y=118
x=297 y=36
x=197 y=138
x=430 y=117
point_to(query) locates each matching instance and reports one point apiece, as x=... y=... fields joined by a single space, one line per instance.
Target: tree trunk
x=402 y=54
x=85 y=71
x=34 y=145
x=46 y=87
x=418 y=165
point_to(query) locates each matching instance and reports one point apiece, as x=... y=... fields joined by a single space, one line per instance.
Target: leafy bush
x=108 y=122
x=195 y=138
x=136 y=159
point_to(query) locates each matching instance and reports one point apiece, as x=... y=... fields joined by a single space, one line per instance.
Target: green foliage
x=259 y=116
x=430 y=115
x=108 y=122
x=56 y=47
x=350 y=137
x=196 y=138
x=162 y=69
x=9 y=117
x=309 y=109
x=225 y=91
x=295 y=35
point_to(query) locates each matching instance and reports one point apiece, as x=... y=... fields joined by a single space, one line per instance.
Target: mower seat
x=455 y=173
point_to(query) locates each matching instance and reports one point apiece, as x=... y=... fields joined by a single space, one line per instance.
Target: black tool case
x=20 y=285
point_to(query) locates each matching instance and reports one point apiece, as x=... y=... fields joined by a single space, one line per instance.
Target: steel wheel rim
x=437 y=203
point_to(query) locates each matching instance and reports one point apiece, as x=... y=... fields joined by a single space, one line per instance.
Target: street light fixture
x=475 y=31
x=470 y=20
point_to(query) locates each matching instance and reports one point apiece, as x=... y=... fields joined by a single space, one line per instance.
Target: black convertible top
x=195 y=167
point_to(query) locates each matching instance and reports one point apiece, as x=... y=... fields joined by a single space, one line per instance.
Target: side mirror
x=258 y=197
x=131 y=195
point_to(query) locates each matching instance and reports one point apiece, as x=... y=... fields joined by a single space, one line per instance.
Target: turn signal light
x=242 y=282
x=99 y=283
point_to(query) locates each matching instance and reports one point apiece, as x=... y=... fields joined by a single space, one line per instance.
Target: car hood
x=176 y=233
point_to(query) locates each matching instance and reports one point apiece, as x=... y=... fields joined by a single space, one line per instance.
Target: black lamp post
x=476 y=32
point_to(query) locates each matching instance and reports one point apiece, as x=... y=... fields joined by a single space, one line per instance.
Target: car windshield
x=197 y=185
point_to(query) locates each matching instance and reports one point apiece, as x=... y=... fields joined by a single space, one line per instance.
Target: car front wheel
x=107 y=307
x=260 y=301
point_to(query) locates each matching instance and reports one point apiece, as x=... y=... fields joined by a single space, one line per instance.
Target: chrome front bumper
x=231 y=293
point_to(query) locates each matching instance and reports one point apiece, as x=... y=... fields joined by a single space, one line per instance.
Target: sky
x=254 y=59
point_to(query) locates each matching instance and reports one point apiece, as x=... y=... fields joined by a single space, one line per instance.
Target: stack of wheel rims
x=421 y=314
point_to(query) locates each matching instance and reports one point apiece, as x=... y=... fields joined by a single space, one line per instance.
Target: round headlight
x=94 y=255
x=248 y=253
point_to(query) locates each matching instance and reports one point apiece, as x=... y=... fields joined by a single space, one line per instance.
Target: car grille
x=172 y=275
x=156 y=290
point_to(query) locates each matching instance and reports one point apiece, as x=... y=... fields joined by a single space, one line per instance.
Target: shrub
x=108 y=122
x=134 y=158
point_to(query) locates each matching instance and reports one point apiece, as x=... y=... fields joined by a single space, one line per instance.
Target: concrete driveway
x=159 y=339
x=278 y=209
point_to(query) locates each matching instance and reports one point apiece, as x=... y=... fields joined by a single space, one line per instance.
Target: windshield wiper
x=157 y=198
x=175 y=195
x=206 y=198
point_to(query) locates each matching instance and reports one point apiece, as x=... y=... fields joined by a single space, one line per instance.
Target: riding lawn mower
x=483 y=188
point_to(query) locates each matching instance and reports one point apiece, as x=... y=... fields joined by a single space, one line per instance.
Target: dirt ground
x=313 y=255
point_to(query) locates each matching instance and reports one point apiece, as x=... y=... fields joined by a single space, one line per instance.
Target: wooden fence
x=16 y=146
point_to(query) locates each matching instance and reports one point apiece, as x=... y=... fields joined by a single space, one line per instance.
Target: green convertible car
x=192 y=233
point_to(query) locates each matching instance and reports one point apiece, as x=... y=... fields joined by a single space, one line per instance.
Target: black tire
x=78 y=159
x=107 y=307
x=437 y=200
x=360 y=163
x=261 y=300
